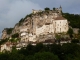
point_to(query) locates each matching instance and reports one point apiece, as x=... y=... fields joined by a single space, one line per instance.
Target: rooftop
x=60 y=18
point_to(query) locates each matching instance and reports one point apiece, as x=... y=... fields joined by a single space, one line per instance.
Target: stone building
x=44 y=24
x=39 y=26
x=6 y=47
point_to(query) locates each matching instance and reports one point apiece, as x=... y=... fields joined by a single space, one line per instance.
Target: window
x=60 y=21
x=60 y=29
x=55 y=29
x=55 y=22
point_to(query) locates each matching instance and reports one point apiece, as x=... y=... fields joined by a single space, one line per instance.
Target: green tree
x=46 y=9
x=45 y=56
x=16 y=35
x=9 y=30
x=58 y=36
x=4 y=56
x=54 y=8
x=75 y=41
x=70 y=32
x=79 y=31
x=3 y=41
x=70 y=50
x=39 y=47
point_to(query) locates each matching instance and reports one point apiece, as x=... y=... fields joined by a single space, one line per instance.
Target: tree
x=54 y=8
x=79 y=31
x=3 y=41
x=16 y=35
x=75 y=41
x=70 y=32
x=9 y=30
x=20 y=22
x=58 y=37
x=45 y=56
x=74 y=19
x=46 y=9
x=39 y=47
x=4 y=56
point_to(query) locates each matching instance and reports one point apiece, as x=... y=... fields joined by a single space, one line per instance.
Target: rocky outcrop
x=37 y=18
x=6 y=33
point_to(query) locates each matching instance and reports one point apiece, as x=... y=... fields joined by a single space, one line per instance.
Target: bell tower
x=60 y=8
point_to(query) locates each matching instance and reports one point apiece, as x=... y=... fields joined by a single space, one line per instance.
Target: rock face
x=40 y=25
x=4 y=34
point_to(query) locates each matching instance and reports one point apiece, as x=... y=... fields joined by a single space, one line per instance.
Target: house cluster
x=42 y=28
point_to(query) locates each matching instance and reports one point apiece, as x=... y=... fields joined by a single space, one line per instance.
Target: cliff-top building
x=39 y=26
x=44 y=25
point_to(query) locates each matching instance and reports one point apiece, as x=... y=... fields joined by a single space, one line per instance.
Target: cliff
x=42 y=18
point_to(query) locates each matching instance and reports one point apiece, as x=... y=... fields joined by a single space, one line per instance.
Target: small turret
x=60 y=8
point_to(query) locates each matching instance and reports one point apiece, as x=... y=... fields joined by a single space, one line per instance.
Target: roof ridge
x=60 y=18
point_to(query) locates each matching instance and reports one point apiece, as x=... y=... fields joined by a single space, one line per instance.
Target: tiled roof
x=60 y=18
x=47 y=23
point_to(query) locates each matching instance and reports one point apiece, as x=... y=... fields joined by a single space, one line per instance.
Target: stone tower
x=60 y=10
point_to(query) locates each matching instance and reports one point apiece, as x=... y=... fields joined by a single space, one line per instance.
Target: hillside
x=74 y=19
x=47 y=26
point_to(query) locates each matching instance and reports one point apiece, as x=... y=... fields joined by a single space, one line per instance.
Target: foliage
x=47 y=8
x=16 y=35
x=69 y=51
x=3 y=41
x=79 y=31
x=14 y=40
x=58 y=36
x=20 y=22
x=74 y=19
x=75 y=41
x=9 y=30
x=54 y=8
x=70 y=31
x=45 y=56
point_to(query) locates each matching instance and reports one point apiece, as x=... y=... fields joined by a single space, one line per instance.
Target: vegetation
x=75 y=41
x=47 y=9
x=20 y=22
x=70 y=32
x=54 y=8
x=3 y=41
x=16 y=35
x=14 y=40
x=74 y=19
x=79 y=31
x=69 y=51
x=9 y=30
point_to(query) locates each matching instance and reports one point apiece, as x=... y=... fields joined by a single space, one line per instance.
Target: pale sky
x=11 y=11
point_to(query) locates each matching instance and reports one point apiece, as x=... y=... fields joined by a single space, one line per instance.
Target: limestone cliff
x=37 y=19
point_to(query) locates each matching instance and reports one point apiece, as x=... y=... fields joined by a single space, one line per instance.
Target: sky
x=11 y=11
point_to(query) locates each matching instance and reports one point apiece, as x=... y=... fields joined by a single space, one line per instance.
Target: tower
x=60 y=8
